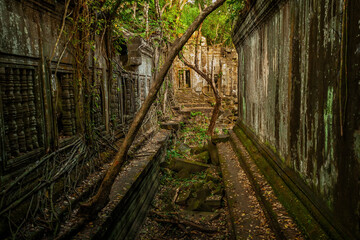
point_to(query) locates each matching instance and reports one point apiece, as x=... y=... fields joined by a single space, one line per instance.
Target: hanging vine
x=36 y=191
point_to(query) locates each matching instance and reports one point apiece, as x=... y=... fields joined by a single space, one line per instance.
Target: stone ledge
x=131 y=194
x=291 y=191
x=257 y=14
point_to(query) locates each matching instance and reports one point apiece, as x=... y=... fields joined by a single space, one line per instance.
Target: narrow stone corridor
x=249 y=205
x=178 y=119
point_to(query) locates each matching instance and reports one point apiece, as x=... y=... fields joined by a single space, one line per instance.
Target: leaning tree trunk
x=214 y=155
x=97 y=202
x=215 y=114
x=211 y=83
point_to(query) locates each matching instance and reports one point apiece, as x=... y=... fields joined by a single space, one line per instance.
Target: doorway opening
x=184 y=78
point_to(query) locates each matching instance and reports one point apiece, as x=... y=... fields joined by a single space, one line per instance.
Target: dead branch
x=175 y=219
x=99 y=201
x=210 y=81
x=69 y=164
x=36 y=165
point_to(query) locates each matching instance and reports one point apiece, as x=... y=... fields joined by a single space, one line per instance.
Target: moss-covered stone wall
x=299 y=93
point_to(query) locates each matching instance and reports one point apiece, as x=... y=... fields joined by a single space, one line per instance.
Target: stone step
x=170 y=125
x=280 y=206
x=245 y=211
x=130 y=195
x=196 y=109
x=194 y=104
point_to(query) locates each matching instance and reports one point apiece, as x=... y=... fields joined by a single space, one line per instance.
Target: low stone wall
x=131 y=194
x=42 y=114
x=41 y=107
x=299 y=94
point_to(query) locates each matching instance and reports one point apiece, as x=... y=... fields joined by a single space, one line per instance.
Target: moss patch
x=310 y=226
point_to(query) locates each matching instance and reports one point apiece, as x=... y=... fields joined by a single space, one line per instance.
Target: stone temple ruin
x=295 y=81
x=39 y=96
x=41 y=103
x=219 y=62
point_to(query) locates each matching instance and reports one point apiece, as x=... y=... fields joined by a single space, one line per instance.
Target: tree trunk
x=146 y=10
x=158 y=11
x=165 y=96
x=210 y=81
x=197 y=46
x=215 y=114
x=97 y=202
x=134 y=9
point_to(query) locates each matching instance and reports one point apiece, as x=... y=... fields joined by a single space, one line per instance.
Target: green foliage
x=193 y=114
x=217 y=27
x=173 y=153
x=190 y=12
x=235 y=7
x=194 y=133
x=174 y=20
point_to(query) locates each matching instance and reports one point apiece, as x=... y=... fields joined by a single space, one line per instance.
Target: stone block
x=170 y=125
x=220 y=138
x=183 y=196
x=198 y=149
x=203 y=157
x=183 y=148
x=192 y=166
x=213 y=202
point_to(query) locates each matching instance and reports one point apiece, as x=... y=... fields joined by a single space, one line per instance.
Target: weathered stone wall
x=41 y=105
x=221 y=61
x=38 y=102
x=294 y=88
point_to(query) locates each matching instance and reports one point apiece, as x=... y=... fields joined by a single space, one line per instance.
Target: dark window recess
x=21 y=116
x=66 y=113
x=122 y=50
x=184 y=79
x=216 y=79
x=187 y=76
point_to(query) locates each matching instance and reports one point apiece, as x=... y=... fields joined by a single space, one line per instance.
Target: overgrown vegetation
x=141 y=19
x=189 y=204
x=217 y=28
x=90 y=26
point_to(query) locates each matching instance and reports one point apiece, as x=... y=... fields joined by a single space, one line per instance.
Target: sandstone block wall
x=41 y=104
x=301 y=97
x=217 y=60
x=39 y=100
